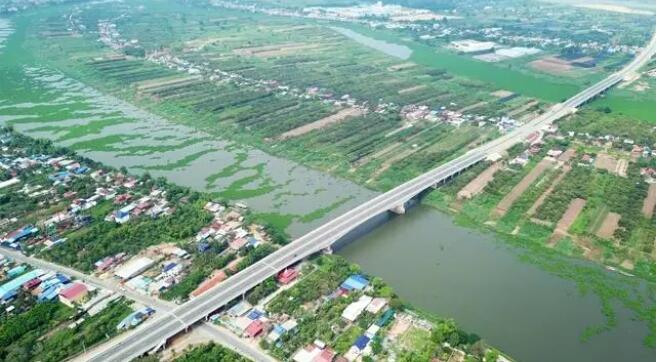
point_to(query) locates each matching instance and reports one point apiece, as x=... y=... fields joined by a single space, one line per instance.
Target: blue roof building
x=355 y=282
x=8 y=290
x=362 y=342
x=63 y=278
x=202 y=247
x=254 y=314
x=81 y=170
x=168 y=267
x=14 y=272
x=49 y=294
x=385 y=318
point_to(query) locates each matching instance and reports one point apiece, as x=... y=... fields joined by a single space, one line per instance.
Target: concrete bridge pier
x=399 y=209
x=160 y=346
x=328 y=250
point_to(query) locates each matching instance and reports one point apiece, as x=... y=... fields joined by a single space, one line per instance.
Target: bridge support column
x=399 y=209
x=328 y=250
x=160 y=346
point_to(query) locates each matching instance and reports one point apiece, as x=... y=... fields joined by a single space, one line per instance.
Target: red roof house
x=255 y=328
x=216 y=278
x=326 y=356
x=31 y=284
x=287 y=276
x=73 y=294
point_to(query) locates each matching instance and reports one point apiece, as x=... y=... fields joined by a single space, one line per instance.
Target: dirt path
x=649 y=202
x=412 y=89
x=342 y=115
x=505 y=204
x=574 y=208
x=477 y=185
x=608 y=226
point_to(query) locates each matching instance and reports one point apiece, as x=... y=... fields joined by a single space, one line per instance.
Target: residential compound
x=80 y=199
x=76 y=305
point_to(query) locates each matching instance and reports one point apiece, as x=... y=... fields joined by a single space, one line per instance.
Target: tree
x=445 y=331
x=376 y=345
x=491 y=356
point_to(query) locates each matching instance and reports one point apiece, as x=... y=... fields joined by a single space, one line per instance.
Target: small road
x=154 y=334
x=216 y=333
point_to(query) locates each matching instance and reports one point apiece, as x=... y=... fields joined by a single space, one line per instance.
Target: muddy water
x=486 y=287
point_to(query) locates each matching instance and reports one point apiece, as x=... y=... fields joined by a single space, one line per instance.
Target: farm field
x=585 y=202
x=282 y=91
x=298 y=89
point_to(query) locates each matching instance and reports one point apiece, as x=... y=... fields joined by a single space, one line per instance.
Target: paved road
x=163 y=308
x=154 y=334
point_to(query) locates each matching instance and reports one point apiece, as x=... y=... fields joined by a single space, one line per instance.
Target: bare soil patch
x=180 y=343
x=200 y=43
x=627 y=264
x=412 y=89
x=477 y=185
x=274 y=50
x=609 y=225
x=649 y=202
x=153 y=84
x=402 y=66
x=505 y=204
x=501 y=93
x=566 y=155
x=574 y=208
x=324 y=122
x=552 y=65
x=398 y=328
x=611 y=164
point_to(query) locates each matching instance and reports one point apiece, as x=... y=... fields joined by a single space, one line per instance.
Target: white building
x=355 y=309
x=133 y=267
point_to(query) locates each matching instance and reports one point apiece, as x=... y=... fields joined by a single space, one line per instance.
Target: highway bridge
x=157 y=331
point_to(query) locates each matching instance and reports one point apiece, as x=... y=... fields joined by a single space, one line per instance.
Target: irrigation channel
x=483 y=283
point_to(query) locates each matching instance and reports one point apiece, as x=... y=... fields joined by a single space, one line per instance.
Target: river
x=392 y=49
x=486 y=287
x=481 y=282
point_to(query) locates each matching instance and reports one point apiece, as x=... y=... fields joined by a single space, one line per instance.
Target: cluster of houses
x=112 y=186
x=165 y=58
x=252 y=322
x=159 y=267
x=318 y=351
x=228 y=227
x=61 y=170
x=47 y=286
x=134 y=206
x=413 y=113
x=151 y=272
